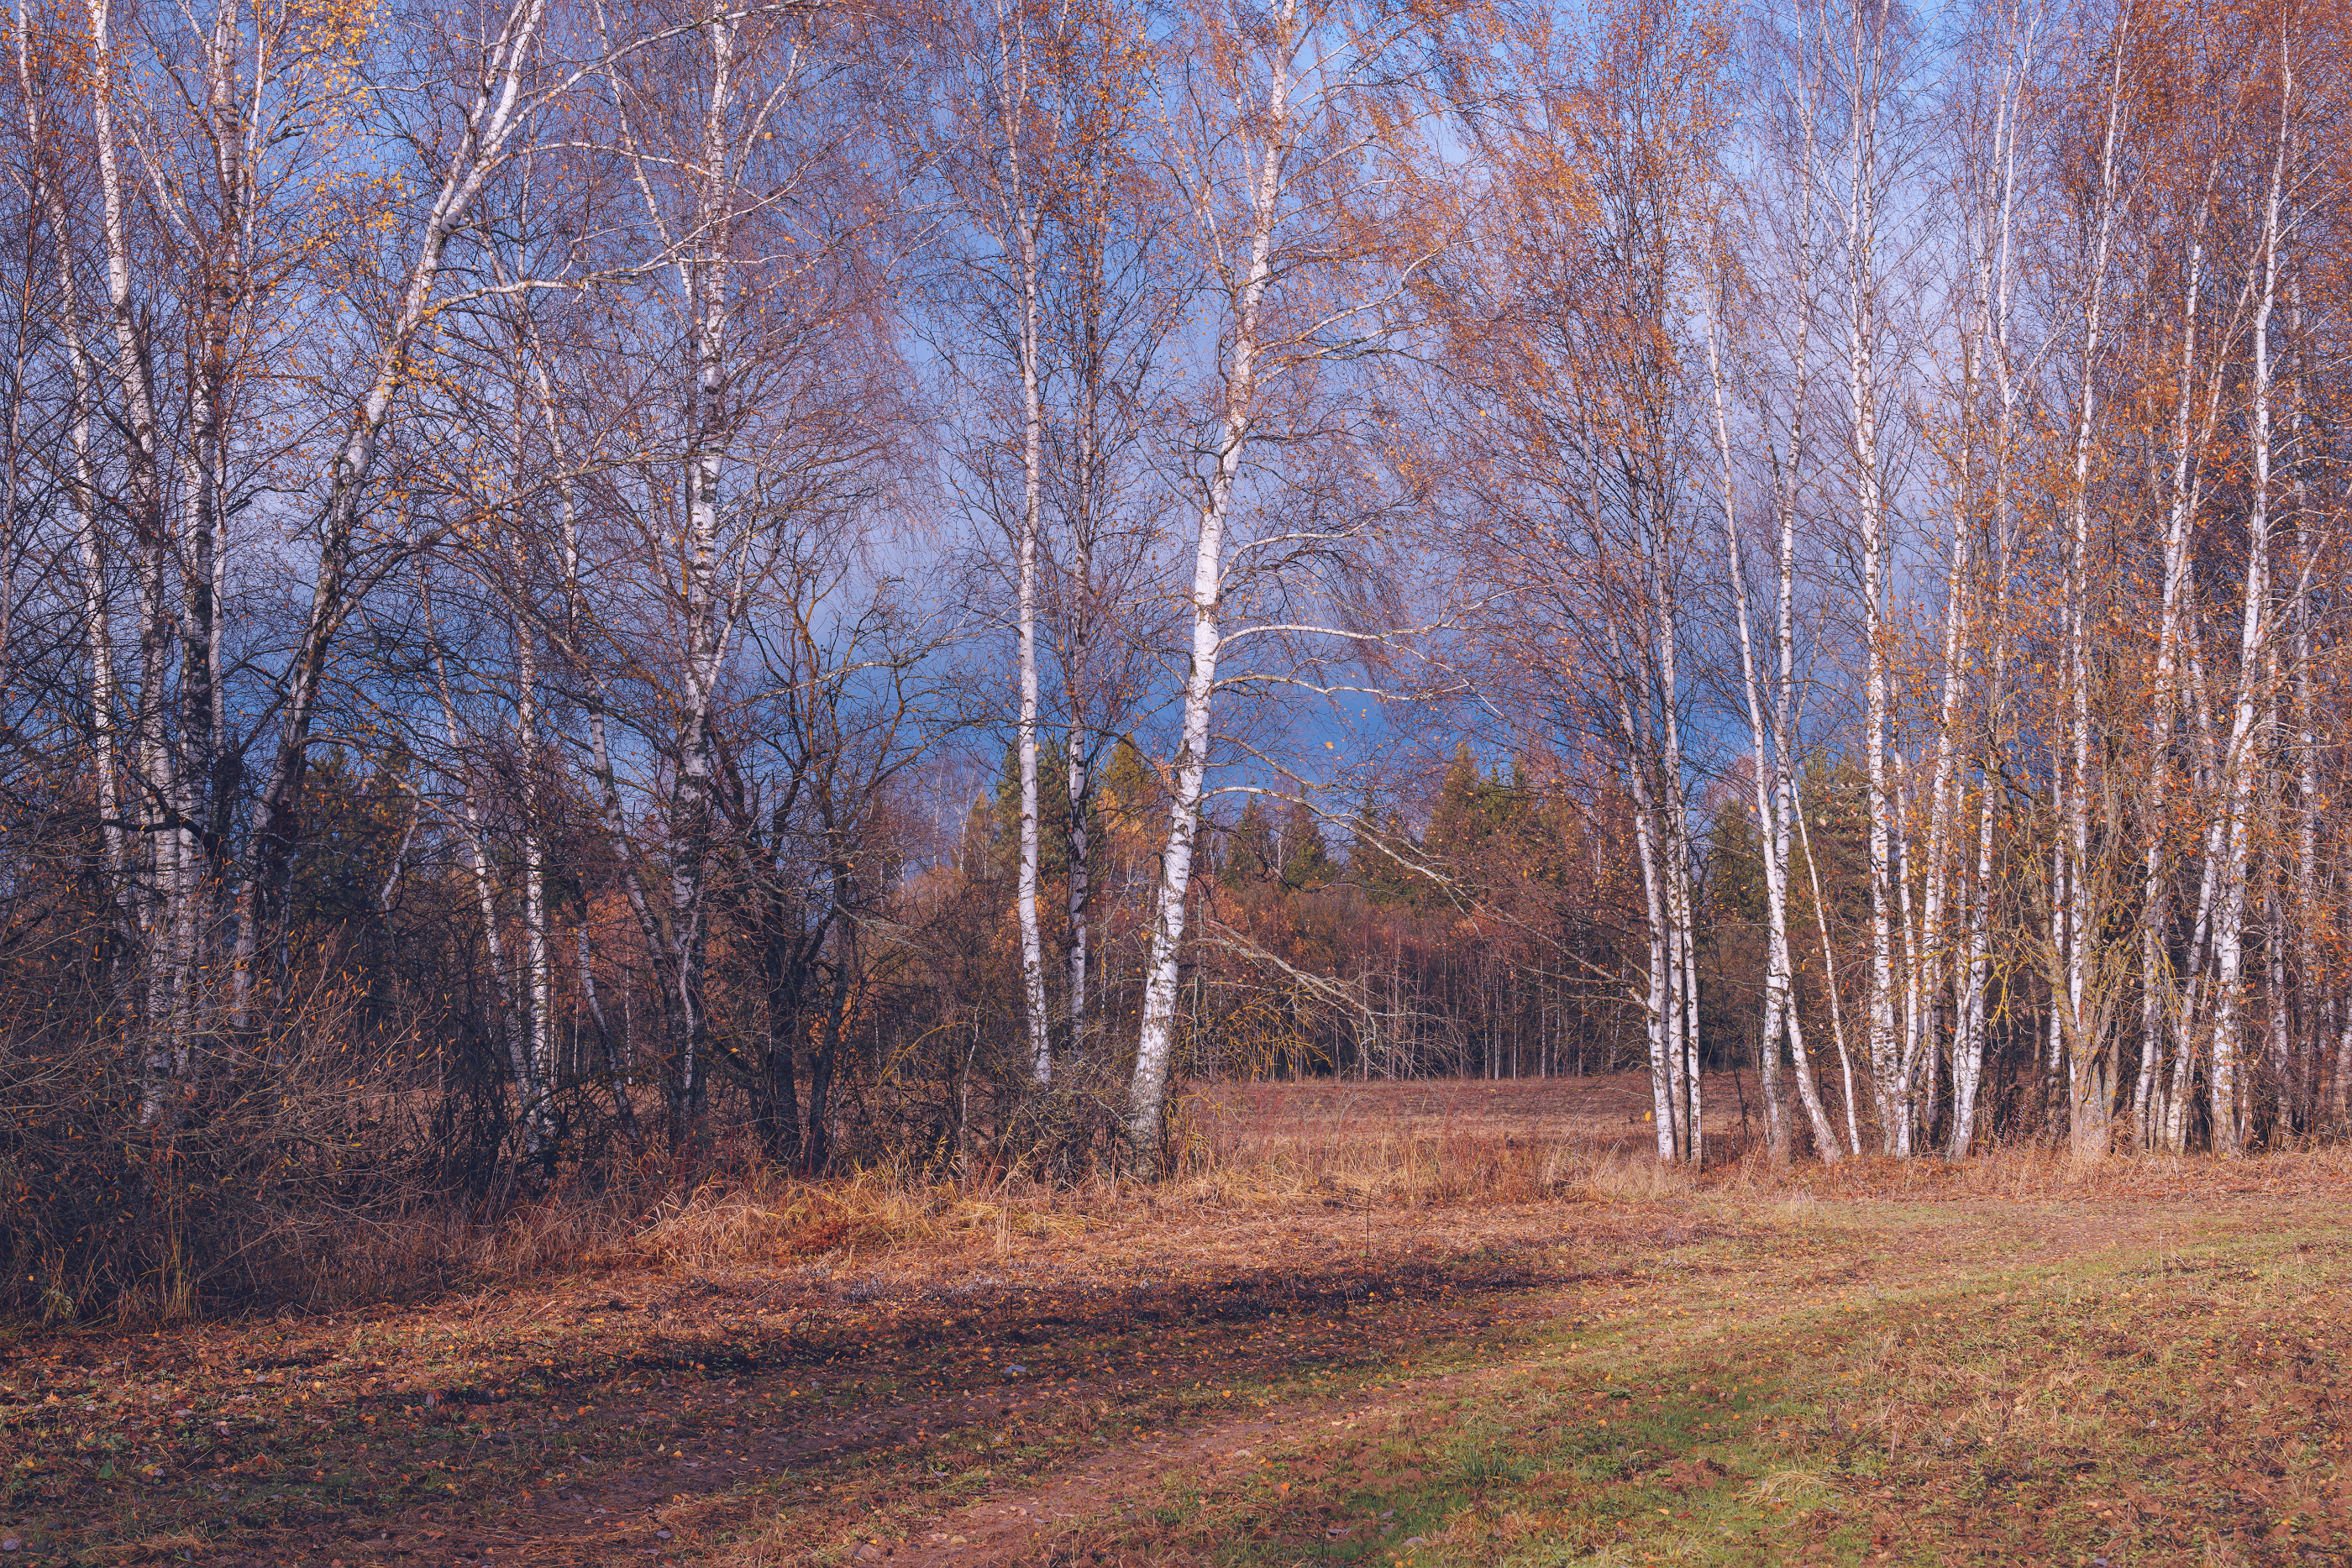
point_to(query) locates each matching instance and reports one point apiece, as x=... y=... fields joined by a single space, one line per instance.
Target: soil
x=1098 y=1394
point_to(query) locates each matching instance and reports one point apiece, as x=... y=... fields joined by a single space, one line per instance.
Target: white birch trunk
x=201 y=547
x=2309 y=801
x=2054 y=1025
x=496 y=106
x=1087 y=484
x=1830 y=985
x=1077 y=792
x=90 y=542
x=1661 y=1010
x=1033 y=423
x=2274 y=946
x=706 y=275
x=1694 y=1118
x=1155 y=1040
x=1768 y=747
x=1996 y=282
x=1658 y=1005
x=1682 y=994
x=1910 y=959
x=2155 y=981
x=539 y=967
x=2088 y=1069
x=1867 y=56
x=2239 y=772
x=1779 y=835
x=1967 y=1035
x=168 y=958
x=1945 y=790
x=1763 y=750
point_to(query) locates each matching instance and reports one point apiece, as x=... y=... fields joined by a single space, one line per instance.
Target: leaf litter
x=1872 y=1363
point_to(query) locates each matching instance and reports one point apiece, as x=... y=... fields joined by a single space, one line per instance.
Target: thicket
x=1805 y=541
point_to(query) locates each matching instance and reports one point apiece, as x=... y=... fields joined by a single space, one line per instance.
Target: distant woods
x=591 y=595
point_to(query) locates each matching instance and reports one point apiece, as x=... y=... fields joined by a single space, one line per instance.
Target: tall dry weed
x=1253 y=1145
x=1241 y=1148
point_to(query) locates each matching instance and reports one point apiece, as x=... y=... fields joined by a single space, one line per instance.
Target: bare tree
x=1291 y=147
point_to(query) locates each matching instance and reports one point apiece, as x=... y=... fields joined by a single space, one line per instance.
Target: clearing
x=1436 y=1324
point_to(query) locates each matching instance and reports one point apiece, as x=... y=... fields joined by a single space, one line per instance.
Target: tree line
x=593 y=590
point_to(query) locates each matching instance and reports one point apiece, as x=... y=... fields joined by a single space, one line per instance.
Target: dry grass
x=1503 y=1268
x=1267 y=1150
x=1261 y=1144
x=767 y=1218
x=2023 y=1172
x=1259 y=1150
x=1262 y=1149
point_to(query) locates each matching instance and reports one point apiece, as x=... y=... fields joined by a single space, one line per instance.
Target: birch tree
x=1871 y=64
x=734 y=171
x=2238 y=770
x=2006 y=45
x=1291 y=150
x=1579 y=382
x=1036 y=151
x=2076 y=890
x=1108 y=315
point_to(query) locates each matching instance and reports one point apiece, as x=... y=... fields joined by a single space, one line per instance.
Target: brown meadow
x=1439 y=1323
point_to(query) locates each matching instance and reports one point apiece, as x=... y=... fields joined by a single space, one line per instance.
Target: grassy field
x=1434 y=1324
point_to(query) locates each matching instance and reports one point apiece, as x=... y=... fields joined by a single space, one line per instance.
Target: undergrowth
x=1256 y=1148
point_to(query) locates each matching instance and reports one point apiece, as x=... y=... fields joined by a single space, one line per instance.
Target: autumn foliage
x=596 y=599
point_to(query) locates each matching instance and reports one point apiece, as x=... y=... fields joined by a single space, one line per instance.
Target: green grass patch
x=2181 y=1403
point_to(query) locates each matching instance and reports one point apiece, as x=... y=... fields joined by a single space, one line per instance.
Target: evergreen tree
x=1305 y=860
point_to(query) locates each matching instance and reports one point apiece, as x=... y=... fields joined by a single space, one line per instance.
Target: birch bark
x=1830 y=986
x=497 y=103
x=705 y=276
x=2239 y=772
x=1763 y=750
x=168 y=962
x=2156 y=982
x=1787 y=479
x=1868 y=51
x=1769 y=746
x=1026 y=222
x=2017 y=44
x=1663 y=624
x=538 y=964
x=2309 y=800
x=90 y=540
x=1660 y=1014
x=1273 y=130
x=2089 y=1070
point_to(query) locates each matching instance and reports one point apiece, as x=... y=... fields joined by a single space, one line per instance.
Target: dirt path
x=732 y=1423
x=627 y=1420
x=1078 y=1514
x=1107 y=1458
